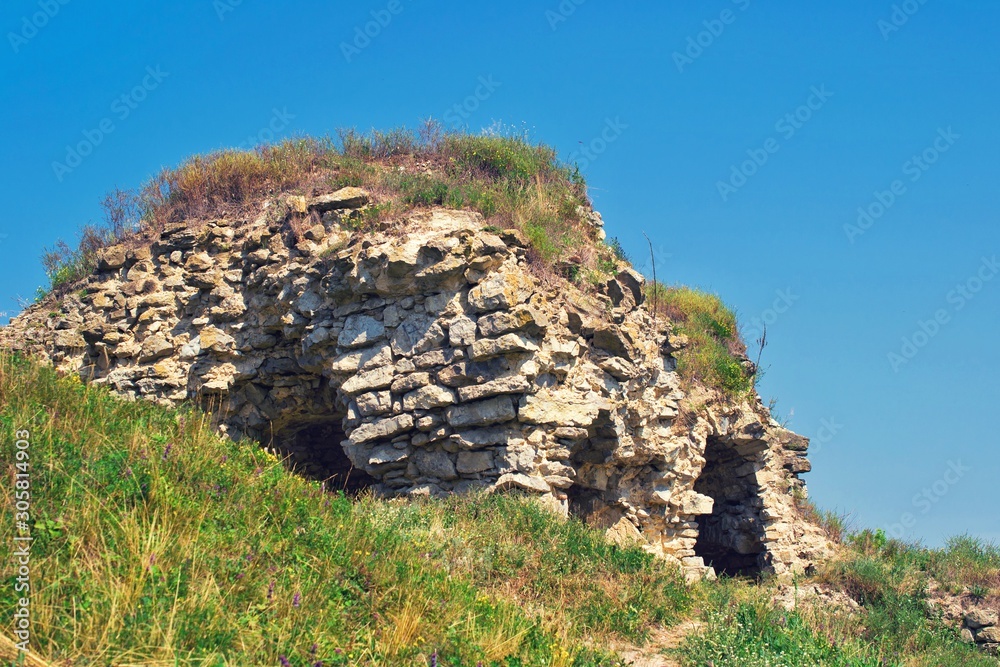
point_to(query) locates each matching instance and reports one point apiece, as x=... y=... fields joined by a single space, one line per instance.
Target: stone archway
x=731 y=538
x=314 y=448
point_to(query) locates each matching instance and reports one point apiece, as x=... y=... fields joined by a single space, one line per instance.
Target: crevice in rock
x=731 y=538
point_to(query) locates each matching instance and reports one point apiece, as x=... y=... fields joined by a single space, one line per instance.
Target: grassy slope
x=160 y=543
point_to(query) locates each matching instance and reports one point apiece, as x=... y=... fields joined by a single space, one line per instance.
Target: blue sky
x=829 y=169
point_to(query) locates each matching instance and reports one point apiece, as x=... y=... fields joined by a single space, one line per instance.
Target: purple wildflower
x=296 y=599
x=284 y=661
x=313 y=649
x=270 y=591
x=434 y=658
x=166 y=452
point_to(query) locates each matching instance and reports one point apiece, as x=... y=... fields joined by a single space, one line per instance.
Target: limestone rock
x=514 y=480
x=360 y=331
x=482 y=413
x=981 y=618
x=990 y=635
x=427 y=398
x=501 y=290
x=435 y=464
x=381 y=429
x=417 y=334
x=473 y=462
x=345 y=198
x=506 y=344
x=561 y=408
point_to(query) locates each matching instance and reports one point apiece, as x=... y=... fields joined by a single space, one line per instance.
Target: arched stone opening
x=314 y=449
x=731 y=538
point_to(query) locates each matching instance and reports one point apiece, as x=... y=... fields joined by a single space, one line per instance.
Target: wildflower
x=166 y=452
x=284 y=661
x=296 y=599
x=434 y=658
x=270 y=591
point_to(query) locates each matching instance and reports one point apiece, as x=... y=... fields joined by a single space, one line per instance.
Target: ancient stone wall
x=431 y=360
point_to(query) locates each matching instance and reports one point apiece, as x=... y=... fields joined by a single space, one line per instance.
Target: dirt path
x=651 y=655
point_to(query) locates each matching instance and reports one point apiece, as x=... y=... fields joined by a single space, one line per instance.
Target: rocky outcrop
x=431 y=360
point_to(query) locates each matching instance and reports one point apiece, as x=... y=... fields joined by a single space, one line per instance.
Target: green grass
x=511 y=181
x=158 y=542
x=712 y=356
x=898 y=625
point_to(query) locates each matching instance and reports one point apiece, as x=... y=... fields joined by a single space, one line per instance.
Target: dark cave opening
x=314 y=450
x=731 y=538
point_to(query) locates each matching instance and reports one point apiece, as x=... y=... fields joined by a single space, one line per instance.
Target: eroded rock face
x=437 y=363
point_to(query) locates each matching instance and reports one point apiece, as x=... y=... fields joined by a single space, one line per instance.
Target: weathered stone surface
x=427 y=398
x=417 y=334
x=482 y=413
x=506 y=344
x=215 y=340
x=360 y=331
x=154 y=348
x=695 y=503
x=609 y=337
x=381 y=429
x=981 y=618
x=501 y=290
x=561 y=408
x=359 y=360
x=474 y=462
x=379 y=378
x=484 y=437
x=988 y=635
x=385 y=454
x=461 y=332
x=374 y=403
x=345 y=198
x=435 y=464
x=520 y=318
x=515 y=384
x=515 y=480
x=111 y=258
x=199 y=262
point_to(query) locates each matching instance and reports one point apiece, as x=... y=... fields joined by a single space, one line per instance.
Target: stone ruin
x=431 y=360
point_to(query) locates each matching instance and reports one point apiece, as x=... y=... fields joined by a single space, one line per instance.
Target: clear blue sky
x=683 y=94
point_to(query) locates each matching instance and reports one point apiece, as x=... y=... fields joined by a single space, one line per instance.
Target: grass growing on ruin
x=898 y=624
x=157 y=542
x=712 y=356
x=511 y=181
